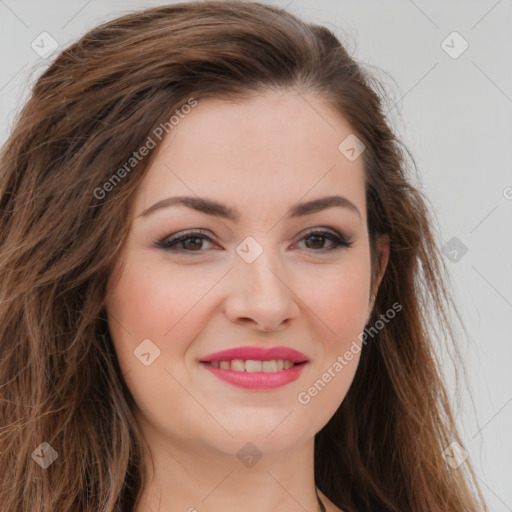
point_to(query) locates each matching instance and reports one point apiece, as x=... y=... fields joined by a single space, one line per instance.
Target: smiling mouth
x=254 y=366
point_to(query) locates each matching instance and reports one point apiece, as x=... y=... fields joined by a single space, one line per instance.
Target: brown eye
x=315 y=240
x=185 y=242
x=195 y=244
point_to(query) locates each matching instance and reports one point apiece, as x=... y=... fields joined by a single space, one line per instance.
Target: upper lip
x=257 y=354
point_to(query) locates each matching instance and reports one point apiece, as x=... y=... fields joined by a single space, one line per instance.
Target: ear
x=383 y=247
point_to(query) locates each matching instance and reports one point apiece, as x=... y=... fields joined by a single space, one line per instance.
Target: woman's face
x=250 y=272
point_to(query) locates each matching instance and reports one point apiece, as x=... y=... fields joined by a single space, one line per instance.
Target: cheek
x=338 y=299
x=154 y=301
x=150 y=302
x=339 y=305
x=148 y=298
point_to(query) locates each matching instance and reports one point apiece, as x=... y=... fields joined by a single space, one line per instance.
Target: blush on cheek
x=340 y=307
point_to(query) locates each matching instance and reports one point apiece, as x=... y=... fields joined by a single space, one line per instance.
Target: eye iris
x=198 y=241
x=319 y=238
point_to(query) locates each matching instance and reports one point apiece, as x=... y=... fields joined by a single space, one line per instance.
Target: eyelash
x=170 y=243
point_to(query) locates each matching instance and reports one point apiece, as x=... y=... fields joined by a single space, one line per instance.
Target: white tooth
x=252 y=366
x=269 y=366
x=238 y=365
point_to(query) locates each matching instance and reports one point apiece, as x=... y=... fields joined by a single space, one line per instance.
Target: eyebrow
x=211 y=207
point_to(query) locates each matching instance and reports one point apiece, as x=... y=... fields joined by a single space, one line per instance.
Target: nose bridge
x=261 y=275
x=260 y=290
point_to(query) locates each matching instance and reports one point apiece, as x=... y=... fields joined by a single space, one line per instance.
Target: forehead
x=273 y=148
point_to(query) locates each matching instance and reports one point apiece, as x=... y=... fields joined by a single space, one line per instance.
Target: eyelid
x=182 y=235
x=341 y=240
x=323 y=229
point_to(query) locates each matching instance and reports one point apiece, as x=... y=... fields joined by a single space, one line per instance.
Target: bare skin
x=261 y=157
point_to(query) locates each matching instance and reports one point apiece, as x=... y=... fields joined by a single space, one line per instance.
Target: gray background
x=455 y=115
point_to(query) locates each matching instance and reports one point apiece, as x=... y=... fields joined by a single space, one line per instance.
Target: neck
x=194 y=477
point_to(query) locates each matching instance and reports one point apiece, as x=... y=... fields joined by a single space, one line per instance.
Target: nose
x=261 y=294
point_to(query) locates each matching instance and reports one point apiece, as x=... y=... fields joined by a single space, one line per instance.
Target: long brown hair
x=62 y=229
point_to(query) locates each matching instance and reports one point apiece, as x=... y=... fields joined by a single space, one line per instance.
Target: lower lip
x=257 y=380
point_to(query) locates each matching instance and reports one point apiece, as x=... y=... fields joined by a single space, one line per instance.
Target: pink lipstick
x=256 y=368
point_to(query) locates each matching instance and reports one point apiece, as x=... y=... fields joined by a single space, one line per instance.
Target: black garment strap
x=322 y=506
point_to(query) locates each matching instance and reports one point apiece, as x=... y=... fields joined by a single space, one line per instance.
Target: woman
x=217 y=282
